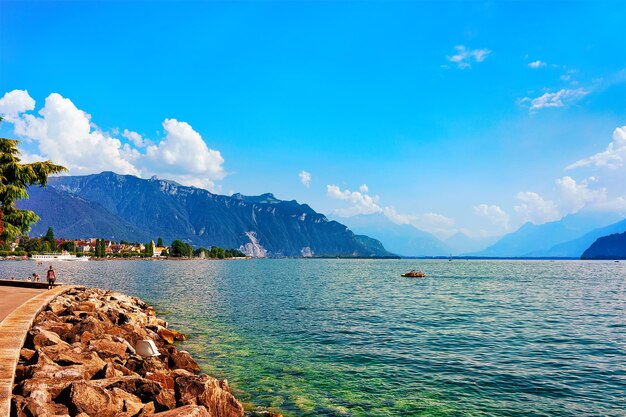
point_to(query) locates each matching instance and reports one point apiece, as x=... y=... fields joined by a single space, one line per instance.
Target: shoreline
x=83 y=356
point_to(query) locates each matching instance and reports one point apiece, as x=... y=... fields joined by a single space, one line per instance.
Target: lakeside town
x=48 y=247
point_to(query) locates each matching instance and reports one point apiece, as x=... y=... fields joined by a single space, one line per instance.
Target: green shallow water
x=353 y=338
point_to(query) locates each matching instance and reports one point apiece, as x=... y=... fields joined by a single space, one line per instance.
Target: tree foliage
x=49 y=238
x=15 y=178
x=100 y=250
x=149 y=249
x=181 y=249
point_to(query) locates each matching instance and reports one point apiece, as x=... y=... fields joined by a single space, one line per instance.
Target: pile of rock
x=79 y=359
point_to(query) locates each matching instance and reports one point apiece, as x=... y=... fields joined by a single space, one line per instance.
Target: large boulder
x=96 y=401
x=209 y=392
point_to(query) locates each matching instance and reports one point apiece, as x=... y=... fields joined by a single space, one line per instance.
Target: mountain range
x=612 y=246
x=567 y=237
x=124 y=207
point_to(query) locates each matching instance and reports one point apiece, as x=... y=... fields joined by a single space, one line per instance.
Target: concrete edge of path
x=13 y=330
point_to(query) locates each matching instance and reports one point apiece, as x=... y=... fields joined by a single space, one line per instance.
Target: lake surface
x=353 y=338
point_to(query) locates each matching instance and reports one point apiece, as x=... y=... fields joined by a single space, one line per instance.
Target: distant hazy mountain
x=607 y=247
x=125 y=207
x=576 y=247
x=461 y=244
x=402 y=239
x=536 y=240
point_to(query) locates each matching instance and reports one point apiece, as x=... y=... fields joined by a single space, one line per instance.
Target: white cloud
x=183 y=156
x=464 y=57
x=561 y=98
x=305 y=178
x=537 y=64
x=436 y=220
x=535 y=209
x=66 y=135
x=493 y=213
x=574 y=196
x=614 y=156
x=15 y=102
x=397 y=218
x=134 y=137
x=362 y=203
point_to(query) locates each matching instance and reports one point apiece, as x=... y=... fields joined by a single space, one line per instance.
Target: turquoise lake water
x=353 y=338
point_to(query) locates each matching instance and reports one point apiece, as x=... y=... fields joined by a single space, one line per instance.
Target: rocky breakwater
x=80 y=359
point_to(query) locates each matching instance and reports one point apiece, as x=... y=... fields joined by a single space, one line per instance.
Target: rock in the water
x=182 y=360
x=207 y=391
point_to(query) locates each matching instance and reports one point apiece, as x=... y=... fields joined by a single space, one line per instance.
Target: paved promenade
x=13 y=297
x=13 y=329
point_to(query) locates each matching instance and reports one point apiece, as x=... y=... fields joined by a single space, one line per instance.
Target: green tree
x=100 y=251
x=31 y=245
x=159 y=243
x=181 y=249
x=68 y=246
x=49 y=237
x=149 y=250
x=15 y=178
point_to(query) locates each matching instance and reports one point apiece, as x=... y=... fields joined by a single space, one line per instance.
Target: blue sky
x=456 y=116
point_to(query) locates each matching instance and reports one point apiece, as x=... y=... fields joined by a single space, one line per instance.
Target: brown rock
x=143 y=388
x=162 y=378
x=43 y=337
x=207 y=391
x=186 y=411
x=124 y=370
x=59 y=305
x=182 y=360
x=96 y=401
x=108 y=348
x=130 y=403
x=170 y=336
x=62 y=355
x=86 y=337
x=26 y=354
x=165 y=400
x=89 y=306
x=87 y=324
x=24 y=407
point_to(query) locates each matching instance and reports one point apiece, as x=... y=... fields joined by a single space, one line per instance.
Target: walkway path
x=13 y=297
x=13 y=330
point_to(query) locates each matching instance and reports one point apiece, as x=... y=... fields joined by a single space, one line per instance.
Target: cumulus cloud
x=537 y=64
x=561 y=98
x=533 y=208
x=614 y=156
x=575 y=196
x=15 y=102
x=493 y=213
x=305 y=178
x=134 y=137
x=392 y=214
x=464 y=57
x=66 y=135
x=183 y=156
x=361 y=203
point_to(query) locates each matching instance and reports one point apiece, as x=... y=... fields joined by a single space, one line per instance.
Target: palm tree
x=15 y=178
